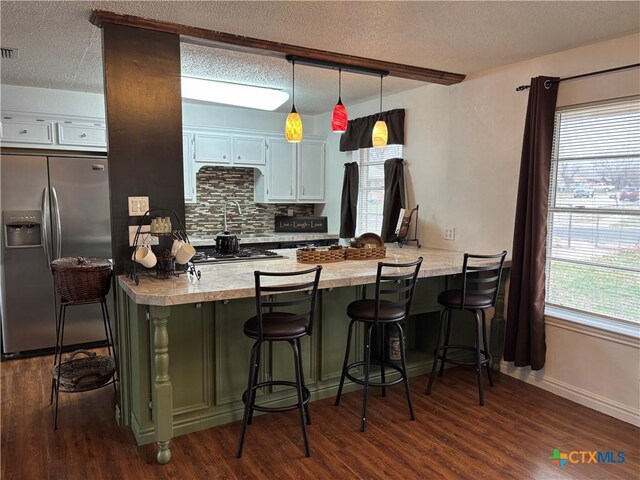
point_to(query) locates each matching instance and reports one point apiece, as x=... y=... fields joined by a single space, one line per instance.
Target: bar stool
x=397 y=280
x=274 y=326
x=481 y=275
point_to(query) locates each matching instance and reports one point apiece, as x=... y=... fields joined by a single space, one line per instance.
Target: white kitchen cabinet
x=53 y=132
x=82 y=134
x=226 y=148
x=311 y=169
x=188 y=166
x=248 y=150
x=295 y=173
x=281 y=172
x=212 y=148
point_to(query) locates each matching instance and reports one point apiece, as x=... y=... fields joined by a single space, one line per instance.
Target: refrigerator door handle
x=44 y=228
x=58 y=226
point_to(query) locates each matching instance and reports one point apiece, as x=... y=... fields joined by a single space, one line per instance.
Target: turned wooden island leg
x=162 y=393
x=498 y=323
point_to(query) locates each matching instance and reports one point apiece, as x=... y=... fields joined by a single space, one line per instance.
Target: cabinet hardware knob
x=292 y=190
x=23 y=131
x=83 y=135
x=224 y=156
x=198 y=305
x=225 y=302
x=238 y=157
x=267 y=191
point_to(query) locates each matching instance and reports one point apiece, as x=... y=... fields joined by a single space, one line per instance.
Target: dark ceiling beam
x=212 y=38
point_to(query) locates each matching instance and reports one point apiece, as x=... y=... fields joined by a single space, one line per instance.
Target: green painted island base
x=184 y=367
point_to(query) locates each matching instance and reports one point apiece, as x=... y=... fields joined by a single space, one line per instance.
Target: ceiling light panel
x=239 y=95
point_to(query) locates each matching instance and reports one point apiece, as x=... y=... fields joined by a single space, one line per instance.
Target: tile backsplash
x=217 y=185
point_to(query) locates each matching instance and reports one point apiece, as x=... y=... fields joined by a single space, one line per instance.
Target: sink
x=253 y=235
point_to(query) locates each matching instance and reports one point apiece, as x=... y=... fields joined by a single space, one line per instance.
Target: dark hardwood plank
x=512 y=436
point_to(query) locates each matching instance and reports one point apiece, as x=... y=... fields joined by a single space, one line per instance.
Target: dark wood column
x=144 y=125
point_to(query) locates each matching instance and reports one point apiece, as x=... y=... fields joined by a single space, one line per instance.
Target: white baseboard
x=583 y=397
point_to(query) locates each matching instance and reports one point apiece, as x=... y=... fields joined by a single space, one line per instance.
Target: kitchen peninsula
x=184 y=357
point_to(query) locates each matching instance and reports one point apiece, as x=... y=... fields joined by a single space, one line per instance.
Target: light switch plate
x=144 y=232
x=138 y=206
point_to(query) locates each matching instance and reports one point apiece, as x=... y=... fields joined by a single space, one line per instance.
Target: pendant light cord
x=380 y=96
x=293 y=101
x=339 y=84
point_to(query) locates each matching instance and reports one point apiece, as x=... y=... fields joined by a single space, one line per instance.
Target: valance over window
x=358 y=133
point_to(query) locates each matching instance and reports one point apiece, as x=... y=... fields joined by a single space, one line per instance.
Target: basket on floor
x=87 y=373
x=79 y=279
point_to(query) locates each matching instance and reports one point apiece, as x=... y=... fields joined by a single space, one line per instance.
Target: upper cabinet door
x=281 y=173
x=188 y=169
x=74 y=133
x=210 y=148
x=249 y=151
x=36 y=131
x=311 y=168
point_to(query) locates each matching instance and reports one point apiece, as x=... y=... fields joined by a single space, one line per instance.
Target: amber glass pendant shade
x=293 y=127
x=339 y=119
x=380 y=134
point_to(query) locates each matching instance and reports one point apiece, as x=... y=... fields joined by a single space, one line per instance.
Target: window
x=371 y=189
x=593 y=238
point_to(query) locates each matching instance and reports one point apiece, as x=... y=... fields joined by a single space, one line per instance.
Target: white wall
x=48 y=101
x=463 y=145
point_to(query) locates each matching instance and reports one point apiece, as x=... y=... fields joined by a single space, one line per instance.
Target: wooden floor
x=512 y=436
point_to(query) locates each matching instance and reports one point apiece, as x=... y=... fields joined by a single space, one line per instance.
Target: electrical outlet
x=138 y=206
x=449 y=233
x=144 y=234
x=290 y=212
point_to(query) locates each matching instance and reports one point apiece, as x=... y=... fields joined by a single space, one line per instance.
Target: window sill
x=593 y=322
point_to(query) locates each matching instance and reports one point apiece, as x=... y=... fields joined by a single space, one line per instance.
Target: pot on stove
x=227 y=243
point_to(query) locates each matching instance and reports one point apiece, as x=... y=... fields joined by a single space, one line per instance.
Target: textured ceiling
x=59 y=48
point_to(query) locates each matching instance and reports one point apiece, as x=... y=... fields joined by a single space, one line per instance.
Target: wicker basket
x=320 y=255
x=87 y=373
x=79 y=279
x=366 y=253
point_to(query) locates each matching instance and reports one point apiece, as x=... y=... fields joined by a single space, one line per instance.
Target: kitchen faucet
x=225 y=212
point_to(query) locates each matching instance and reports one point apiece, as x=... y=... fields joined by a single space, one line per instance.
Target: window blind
x=371 y=191
x=593 y=236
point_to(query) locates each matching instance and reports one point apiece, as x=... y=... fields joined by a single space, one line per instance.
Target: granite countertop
x=236 y=280
x=266 y=237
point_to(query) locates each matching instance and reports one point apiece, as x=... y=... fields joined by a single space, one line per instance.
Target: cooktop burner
x=211 y=255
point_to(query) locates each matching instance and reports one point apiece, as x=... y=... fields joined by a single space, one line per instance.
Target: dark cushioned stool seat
x=277 y=324
x=366 y=309
x=472 y=300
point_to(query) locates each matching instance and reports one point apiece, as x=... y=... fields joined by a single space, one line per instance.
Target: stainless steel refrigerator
x=51 y=207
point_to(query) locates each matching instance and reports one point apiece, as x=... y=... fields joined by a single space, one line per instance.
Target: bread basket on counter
x=320 y=255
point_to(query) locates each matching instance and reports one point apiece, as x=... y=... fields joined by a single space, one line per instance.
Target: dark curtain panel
x=349 y=205
x=358 y=133
x=525 y=339
x=394 y=197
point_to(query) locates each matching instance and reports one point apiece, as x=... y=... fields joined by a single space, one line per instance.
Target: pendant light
x=380 y=133
x=293 y=125
x=339 y=119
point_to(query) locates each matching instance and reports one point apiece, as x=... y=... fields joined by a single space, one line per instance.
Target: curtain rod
x=590 y=74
